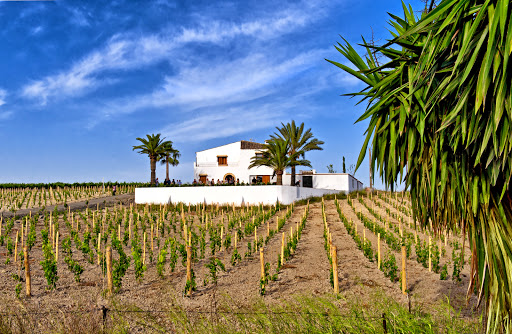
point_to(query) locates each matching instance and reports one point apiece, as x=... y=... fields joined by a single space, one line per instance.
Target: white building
x=336 y=181
x=231 y=161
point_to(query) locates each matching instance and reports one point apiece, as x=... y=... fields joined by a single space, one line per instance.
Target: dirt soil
x=306 y=273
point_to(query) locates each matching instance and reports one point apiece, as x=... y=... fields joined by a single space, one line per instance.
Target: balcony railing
x=214 y=164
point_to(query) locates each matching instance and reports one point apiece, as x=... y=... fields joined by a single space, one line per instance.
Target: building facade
x=336 y=181
x=231 y=162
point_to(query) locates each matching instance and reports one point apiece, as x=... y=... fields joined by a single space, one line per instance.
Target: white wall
x=226 y=194
x=337 y=181
x=238 y=161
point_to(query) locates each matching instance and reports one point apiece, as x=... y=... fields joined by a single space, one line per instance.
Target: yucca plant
x=440 y=117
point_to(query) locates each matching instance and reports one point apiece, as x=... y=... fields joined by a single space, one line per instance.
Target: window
x=222 y=160
x=259 y=154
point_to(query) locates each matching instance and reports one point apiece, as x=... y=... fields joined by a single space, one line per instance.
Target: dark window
x=223 y=161
x=307 y=181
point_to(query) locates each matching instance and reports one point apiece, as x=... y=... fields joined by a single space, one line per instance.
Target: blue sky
x=80 y=80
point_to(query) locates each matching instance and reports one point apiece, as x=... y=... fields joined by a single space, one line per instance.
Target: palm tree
x=276 y=156
x=300 y=141
x=154 y=147
x=170 y=157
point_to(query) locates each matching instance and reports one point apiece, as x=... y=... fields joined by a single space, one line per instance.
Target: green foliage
x=49 y=264
x=214 y=265
x=265 y=279
x=301 y=141
x=173 y=254
x=119 y=266
x=458 y=263
x=389 y=267
x=160 y=264
x=278 y=156
x=73 y=265
x=439 y=118
x=190 y=285
x=235 y=258
x=17 y=290
x=156 y=148
x=444 y=272
x=10 y=246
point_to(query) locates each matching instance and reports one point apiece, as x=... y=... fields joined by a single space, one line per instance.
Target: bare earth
x=306 y=273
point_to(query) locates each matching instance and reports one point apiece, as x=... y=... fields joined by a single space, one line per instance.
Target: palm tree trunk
x=152 y=161
x=292 y=182
x=279 y=174
x=167 y=168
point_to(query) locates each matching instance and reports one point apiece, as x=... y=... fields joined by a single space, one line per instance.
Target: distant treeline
x=63 y=184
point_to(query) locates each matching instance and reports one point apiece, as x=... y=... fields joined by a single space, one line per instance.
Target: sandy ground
x=306 y=273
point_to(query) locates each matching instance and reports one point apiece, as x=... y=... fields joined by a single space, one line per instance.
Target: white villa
x=231 y=161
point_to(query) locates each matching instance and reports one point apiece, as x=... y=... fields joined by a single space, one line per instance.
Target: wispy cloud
x=229 y=122
x=128 y=52
x=4 y=114
x=3 y=95
x=240 y=80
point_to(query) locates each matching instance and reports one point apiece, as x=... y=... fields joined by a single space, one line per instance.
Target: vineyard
x=15 y=198
x=197 y=257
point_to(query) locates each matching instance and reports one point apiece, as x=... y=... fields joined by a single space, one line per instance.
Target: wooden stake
x=16 y=248
x=110 y=281
x=22 y=234
x=378 y=251
x=236 y=237
x=28 y=280
x=144 y=250
x=335 y=269
x=282 y=250
x=57 y=247
x=130 y=229
x=99 y=248
x=404 y=283
x=152 y=238
x=429 y=254
x=262 y=263
x=189 y=268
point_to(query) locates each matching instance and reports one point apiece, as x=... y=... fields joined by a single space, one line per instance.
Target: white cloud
x=214 y=85
x=127 y=52
x=225 y=123
x=3 y=94
x=4 y=114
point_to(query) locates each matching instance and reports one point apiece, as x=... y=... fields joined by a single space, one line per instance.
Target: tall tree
x=440 y=118
x=276 y=156
x=300 y=141
x=154 y=147
x=170 y=157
